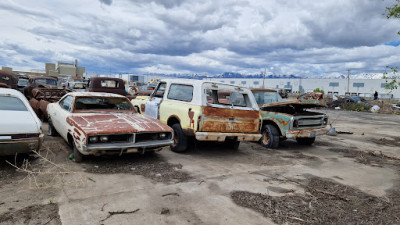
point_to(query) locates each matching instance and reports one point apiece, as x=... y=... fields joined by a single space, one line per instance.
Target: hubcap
x=266 y=138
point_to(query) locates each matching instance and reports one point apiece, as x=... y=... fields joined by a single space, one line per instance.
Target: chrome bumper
x=214 y=136
x=308 y=133
x=124 y=147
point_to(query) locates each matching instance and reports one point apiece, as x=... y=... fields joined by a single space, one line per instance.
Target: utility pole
x=348 y=82
x=265 y=71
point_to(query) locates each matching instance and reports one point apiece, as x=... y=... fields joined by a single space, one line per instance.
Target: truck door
x=153 y=104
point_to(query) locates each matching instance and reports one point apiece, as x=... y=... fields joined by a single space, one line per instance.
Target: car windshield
x=100 y=103
x=46 y=81
x=79 y=86
x=22 y=82
x=267 y=97
x=12 y=104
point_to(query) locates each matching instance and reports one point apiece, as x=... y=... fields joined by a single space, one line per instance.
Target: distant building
x=63 y=69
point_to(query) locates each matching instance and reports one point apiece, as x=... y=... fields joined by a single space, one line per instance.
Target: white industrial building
x=360 y=87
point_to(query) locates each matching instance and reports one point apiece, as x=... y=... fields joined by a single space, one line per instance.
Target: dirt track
x=349 y=178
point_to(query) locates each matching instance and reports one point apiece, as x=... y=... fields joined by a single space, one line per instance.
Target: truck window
x=231 y=98
x=181 y=92
x=109 y=84
x=159 y=91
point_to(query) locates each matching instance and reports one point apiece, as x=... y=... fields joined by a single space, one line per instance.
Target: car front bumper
x=26 y=145
x=123 y=148
x=308 y=133
x=215 y=136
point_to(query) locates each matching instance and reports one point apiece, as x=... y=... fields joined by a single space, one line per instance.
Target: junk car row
x=98 y=123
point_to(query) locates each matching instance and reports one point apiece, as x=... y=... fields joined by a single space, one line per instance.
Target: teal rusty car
x=291 y=119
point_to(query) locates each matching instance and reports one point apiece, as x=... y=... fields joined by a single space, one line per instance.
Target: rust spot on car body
x=116 y=123
x=229 y=120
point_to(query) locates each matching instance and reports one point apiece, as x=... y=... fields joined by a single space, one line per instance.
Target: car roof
x=94 y=94
x=11 y=92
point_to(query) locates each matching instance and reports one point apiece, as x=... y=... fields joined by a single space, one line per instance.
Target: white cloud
x=294 y=37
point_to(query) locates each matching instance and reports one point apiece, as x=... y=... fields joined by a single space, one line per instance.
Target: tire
x=270 y=136
x=305 y=141
x=233 y=144
x=78 y=156
x=51 y=131
x=180 y=139
x=137 y=109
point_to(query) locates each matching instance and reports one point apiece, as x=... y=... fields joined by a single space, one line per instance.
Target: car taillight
x=23 y=136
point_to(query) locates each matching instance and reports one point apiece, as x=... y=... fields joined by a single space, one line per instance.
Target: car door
x=60 y=113
x=153 y=105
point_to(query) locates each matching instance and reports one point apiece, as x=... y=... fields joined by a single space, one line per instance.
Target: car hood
x=18 y=122
x=301 y=103
x=116 y=123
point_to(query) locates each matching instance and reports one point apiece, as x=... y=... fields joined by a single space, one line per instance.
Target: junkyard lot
x=196 y=187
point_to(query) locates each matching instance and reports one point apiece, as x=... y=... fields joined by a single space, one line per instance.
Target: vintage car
x=23 y=81
x=39 y=82
x=8 y=80
x=20 y=128
x=288 y=119
x=41 y=97
x=102 y=123
x=107 y=84
x=192 y=108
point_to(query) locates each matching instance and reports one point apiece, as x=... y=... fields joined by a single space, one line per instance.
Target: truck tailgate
x=229 y=120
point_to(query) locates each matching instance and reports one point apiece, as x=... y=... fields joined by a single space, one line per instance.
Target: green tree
x=319 y=90
x=392 y=82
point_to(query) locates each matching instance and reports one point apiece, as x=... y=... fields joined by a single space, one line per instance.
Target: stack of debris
x=356 y=103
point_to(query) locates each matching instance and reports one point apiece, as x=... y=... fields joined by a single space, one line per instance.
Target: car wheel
x=305 y=141
x=233 y=144
x=78 y=156
x=270 y=136
x=180 y=139
x=137 y=109
x=51 y=131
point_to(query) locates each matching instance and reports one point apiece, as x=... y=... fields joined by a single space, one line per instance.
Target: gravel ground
x=151 y=166
x=34 y=214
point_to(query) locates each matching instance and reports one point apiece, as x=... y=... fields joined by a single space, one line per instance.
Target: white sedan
x=20 y=128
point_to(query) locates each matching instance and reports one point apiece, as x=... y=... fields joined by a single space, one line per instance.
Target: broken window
x=181 y=92
x=109 y=84
x=232 y=98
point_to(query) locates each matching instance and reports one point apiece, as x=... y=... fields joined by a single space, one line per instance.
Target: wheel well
x=172 y=121
x=270 y=122
x=70 y=139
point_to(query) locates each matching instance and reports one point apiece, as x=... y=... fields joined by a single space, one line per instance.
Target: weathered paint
x=282 y=120
x=310 y=103
x=308 y=133
x=42 y=97
x=140 y=102
x=220 y=137
x=229 y=120
x=10 y=147
x=117 y=123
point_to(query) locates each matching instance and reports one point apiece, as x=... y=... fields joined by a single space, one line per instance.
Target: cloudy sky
x=301 y=37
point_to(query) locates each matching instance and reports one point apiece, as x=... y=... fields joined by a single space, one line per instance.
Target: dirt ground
x=345 y=179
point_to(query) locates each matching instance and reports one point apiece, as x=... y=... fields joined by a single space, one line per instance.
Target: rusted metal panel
x=116 y=123
x=8 y=79
x=310 y=103
x=10 y=147
x=42 y=97
x=229 y=120
x=95 y=85
x=282 y=120
x=220 y=137
x=309 y=133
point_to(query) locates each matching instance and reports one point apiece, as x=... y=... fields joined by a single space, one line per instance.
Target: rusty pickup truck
x=41 y=97
x=8 y=80
x=102 y=123
x=288 y=119
x=193 y=109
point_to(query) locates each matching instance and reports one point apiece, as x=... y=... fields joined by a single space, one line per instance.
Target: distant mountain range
x=260 y=76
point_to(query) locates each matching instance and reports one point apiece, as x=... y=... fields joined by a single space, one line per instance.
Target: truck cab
x=196 y=109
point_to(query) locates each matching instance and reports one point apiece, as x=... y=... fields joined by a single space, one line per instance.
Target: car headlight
x=162 y=135
x=103 y=138
x=93 y=139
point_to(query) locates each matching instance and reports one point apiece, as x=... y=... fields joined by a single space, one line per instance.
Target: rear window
x=109 y=84
x=231 y=98
x=12 y=104
x=46 y=81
